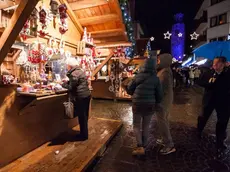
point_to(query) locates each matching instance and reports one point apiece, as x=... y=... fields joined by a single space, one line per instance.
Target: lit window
x=222 y=19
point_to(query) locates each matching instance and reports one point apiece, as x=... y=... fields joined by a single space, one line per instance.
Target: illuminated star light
x=167 y=35
x=194 y=36
x=152 y=39
x=180 y=35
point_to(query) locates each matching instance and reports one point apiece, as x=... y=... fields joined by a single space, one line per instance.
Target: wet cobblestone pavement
x=191 y=156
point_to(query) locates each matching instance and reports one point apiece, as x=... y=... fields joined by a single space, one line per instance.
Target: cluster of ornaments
x=25 y=30
x=119 y=52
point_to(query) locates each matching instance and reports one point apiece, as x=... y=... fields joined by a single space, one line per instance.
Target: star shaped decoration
x=152 y=39
x=167 y=35
x=180 y=35
x=194 y=36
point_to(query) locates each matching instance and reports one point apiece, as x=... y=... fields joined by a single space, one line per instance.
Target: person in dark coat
x=146 y=92
x=216 y=97
x=79 y=94
x=166 y=78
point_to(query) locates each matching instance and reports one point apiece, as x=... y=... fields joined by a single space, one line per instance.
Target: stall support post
x=16 y=24
x=102 y=64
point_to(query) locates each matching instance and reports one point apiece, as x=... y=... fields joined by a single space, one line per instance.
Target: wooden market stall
x=31 y=117
x=105 y=23
x=27 y=120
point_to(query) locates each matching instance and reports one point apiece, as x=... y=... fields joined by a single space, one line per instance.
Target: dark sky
x=156 y=18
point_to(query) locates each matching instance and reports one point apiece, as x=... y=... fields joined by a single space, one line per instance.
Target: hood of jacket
x=165 y=61
x=149 y=66
x=72 y=70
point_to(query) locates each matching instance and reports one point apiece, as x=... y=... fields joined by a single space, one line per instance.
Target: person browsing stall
x=79 y=94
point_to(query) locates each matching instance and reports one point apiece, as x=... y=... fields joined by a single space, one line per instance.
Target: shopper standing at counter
x=79 y=94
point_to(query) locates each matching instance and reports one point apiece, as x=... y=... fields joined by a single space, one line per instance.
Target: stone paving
x=191 y=156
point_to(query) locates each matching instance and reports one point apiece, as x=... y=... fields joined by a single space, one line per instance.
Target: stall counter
x=29 y=120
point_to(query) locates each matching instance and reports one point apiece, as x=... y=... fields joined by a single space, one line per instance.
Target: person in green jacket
x=146 y=92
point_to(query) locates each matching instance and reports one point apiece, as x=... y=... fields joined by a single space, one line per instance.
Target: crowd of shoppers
x=152 y=93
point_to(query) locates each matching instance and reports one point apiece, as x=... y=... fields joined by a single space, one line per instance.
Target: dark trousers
x=223 y=115
x=81 y=107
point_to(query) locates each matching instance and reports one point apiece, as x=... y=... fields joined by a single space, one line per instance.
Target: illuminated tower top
x=178 y=37
x=179 y=18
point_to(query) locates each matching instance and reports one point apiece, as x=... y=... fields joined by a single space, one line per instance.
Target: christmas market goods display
x=48 y=15
x=86 y=54
x=30 y=27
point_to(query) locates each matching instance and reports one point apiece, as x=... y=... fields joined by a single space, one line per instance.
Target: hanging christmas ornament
x=22 y=59
x=25 y=30
x=194 y=36
x=115 y=52
x=84 y=38
x=61 y=47
x=33 y=22
x=43 y=21
x=62 y=9
x=54 y=10
x=167 y=35
x=119 y=51
x=54 y=7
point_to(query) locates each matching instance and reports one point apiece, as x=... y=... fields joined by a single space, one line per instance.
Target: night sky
x=156 y=18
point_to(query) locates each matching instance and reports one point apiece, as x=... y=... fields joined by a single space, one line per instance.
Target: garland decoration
x=129 y=27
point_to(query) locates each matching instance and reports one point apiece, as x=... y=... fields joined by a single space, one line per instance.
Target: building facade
x=213 y=20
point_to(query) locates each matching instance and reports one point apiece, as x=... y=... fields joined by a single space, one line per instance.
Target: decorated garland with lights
x=129 y=27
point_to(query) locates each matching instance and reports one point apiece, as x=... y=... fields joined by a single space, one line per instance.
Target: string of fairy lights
x=129 y=27
x=130 y=31
x=167 y=35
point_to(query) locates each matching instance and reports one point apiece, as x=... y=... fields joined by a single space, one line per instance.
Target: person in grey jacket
x=146 y=92
x=79 y=94
x=166 y=78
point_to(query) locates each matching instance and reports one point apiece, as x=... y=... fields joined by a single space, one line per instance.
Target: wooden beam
x=109 y=39
x=98 y=19
x=6 y=4
x=102 y=64
x=114 y=44
x=72 y=16
x=119 y=13
x=107 y=33
x=16 y=54
x=15 y=26
x=87 y=4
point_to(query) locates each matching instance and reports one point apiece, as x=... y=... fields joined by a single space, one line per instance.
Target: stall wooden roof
x=102 y=18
